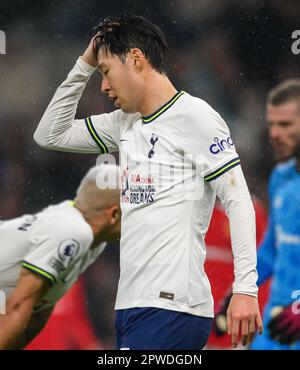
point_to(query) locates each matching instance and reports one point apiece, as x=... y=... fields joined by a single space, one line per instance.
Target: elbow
x=21 y=308
x=40 y=139
x=14 y=304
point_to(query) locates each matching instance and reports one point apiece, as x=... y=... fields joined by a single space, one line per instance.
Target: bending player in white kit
x=164 y=299
x=43 y=254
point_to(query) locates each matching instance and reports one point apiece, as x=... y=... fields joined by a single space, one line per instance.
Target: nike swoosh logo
x=123 y=140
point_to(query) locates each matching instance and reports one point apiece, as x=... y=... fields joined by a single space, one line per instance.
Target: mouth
x=279 y=146
x=115 y=100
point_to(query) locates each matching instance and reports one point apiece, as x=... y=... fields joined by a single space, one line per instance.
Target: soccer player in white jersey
x=43 y=254
x=164 y=298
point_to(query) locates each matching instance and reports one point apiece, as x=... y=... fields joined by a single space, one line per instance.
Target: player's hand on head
x=88 y=56
x=243 y=317
x=285 y=325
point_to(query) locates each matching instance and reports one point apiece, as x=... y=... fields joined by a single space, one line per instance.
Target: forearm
x=58 y=129
x=12 y=327
x=233 y=192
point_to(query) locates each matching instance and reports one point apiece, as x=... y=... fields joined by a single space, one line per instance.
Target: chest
x=286 y=206
x=149 y=143
x=286 y=213
x=153 y=162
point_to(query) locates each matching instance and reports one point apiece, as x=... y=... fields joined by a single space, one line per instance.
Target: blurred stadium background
x=227 y=52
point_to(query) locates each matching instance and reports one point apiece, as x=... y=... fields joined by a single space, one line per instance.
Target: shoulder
x=198 y=113
x=284 y=168
x=196 y=105
x=61 y=238
x=64 y=222
x=281 y=172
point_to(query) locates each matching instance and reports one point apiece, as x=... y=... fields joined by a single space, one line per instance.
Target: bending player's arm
x=243 y=310
x=58 y=128
x=19 y=310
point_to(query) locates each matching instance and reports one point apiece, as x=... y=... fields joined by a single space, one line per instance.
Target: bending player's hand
x=243 y=314
x=285 y=327
x=88 y=56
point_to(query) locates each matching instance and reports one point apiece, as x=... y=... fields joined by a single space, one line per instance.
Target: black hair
x=120 y=34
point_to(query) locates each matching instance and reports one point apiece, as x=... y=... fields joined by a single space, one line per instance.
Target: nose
x=105 y=85
x=274 y=132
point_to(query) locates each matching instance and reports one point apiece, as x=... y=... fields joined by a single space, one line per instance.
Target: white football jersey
x=164 y=158
x=55 y=244
x=172 y=164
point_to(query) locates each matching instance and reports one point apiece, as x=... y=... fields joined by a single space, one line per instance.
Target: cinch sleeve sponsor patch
x=91 y=129
x=221 y=170
x=39 y=271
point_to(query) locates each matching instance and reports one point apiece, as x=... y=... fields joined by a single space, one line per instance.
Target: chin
x=127 y=109
x=283 y=158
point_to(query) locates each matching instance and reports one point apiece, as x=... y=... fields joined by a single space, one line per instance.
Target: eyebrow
x=101 y=66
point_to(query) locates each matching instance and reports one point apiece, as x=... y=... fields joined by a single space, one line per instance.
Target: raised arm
x=58 y=128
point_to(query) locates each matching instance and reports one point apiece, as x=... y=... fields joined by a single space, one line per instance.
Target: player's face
x=284 y=128
x=120 y=81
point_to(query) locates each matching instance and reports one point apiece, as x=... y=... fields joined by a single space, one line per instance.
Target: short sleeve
x=56 y=249
x=206 y=134
x=104 y=129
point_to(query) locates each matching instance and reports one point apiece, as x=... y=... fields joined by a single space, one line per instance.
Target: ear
x=138 y=58
x=114 y=214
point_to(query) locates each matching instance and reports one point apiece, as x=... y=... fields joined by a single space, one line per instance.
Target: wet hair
x=288 y=90
x=120 y=34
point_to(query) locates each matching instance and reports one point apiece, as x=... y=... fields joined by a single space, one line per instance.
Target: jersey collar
x=162 y=109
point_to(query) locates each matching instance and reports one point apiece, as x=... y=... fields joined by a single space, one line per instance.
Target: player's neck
x=158 y=90
x=101 y=232
x=98 y=226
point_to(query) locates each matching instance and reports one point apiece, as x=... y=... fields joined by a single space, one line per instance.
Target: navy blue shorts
x=160 y=329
